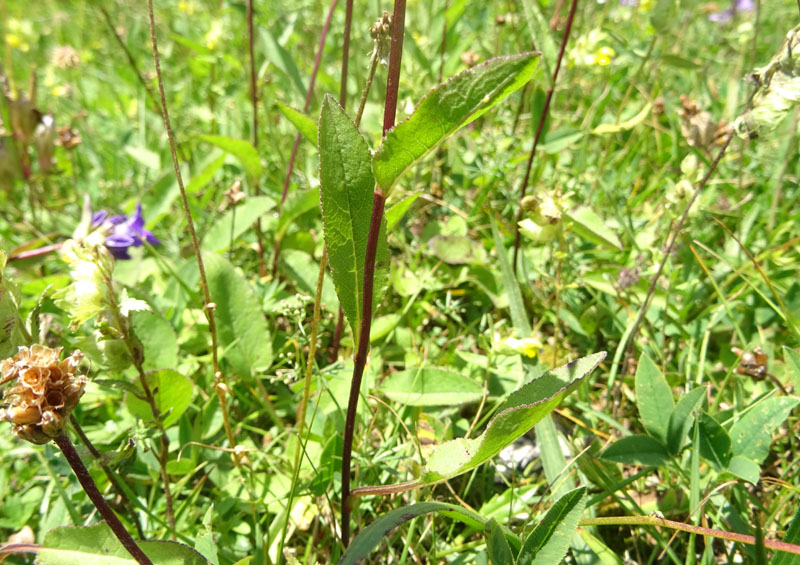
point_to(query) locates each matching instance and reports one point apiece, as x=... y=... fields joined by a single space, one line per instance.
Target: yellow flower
x=186 y=7
x=603 y=56
x=528 y=346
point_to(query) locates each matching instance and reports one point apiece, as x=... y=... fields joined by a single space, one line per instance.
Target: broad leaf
x=751 y=435
x=431 y=386
x=637 y=450
x=304 y=124
x=744 y=468
x=590 y=226
x=398 y=210
x=715 y=443
x=241 y=325
x=172 y=393
x=447 y=108
x=549 y=541
x=368 y=538
x=653 y=398
x=158 y=339
x=792 y=358
x=244 y=152
x=235 y=222
x=98 y=545
x=682 y=417
x=497 y=545
x=457 y=249
x=346 y=192
x=523 y=409
x=199 y=181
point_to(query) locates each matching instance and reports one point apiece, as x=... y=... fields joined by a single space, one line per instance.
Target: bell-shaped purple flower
x=125 y=232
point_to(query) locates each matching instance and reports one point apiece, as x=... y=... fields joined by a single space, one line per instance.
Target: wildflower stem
x=540 y=126
x=262 y=267
x=89 y=486
x=220 y=384
x=378 y=203
x=112 y=478
x=348 y=24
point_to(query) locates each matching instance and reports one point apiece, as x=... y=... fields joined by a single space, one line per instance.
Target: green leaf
x=346 y=193
x=98 y=545
x=158 y=339
x=144 y=156
x=631 y=123
x=382 y=325
x=653 y=398
x=447 y=108
x=549 y=541
x=282 y=59
x=587 y=224
x=11 y=329
x=241 y=325
x=539 y=28
x=368 y=538
x=715 y=443
x=605 y=555
x=497 y=545
x=204 y=542
x=431 y=386
x=304 y=124
x=200 y=180
x=792 y=536
x=457 y=249
x=172 y=393
x=240 y=218
x=244 y=152
x=637 y=450
x=744 y=468
x=682 y=417
x=523 y=409
x=398 y=210
x=792 y=358
x=751 y=435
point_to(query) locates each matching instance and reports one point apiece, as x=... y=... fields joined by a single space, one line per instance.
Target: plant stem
x=295 y=147
x=112 y=478
x=38 y=252
x=711 y=532
x=89 y=486
x=378 y=203
x=540 y=126
x=220 y=383
x=262 y=267
x=348 y=24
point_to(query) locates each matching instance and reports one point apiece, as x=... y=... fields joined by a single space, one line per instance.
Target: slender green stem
x=220 y=383
x=711 y=532
x=262 y=266
x=89 y=486
x=540 y=127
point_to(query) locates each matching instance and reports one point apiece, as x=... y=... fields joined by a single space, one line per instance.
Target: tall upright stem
x=348 y=24
x=89 y=486
x=378 y=203
x=540 y=126
x=220 y=384
x=262 y=267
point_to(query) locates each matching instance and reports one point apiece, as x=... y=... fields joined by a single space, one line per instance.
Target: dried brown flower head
x=42 y=391
x=69 y=137
x=470 y=58
x=65 y=57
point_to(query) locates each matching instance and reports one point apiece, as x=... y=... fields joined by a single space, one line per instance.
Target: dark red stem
x=89 y=486
x=540 y=126
x=38 y=252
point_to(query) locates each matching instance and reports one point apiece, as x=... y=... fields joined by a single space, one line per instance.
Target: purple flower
x=736 y=6
x=123 y=232
x=629 y=2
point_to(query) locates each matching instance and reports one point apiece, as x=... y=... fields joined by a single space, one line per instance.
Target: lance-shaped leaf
x=361 y=546
x=303 y=123
x=550 y=540
x=244 y=152
x=523 y=410
x=346 y=192
x=447 y=108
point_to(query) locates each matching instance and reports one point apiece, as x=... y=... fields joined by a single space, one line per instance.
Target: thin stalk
x=680 y=526
x=112 y=478
x=262 y=267
x=220 y=382
x=540 y=126
x=628 y=337
x=309 y=96
x=89 y=486
x=378 y=203
x=348 y=24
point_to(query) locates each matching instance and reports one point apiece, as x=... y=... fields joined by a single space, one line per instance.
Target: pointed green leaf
x=447 y=108
x=549 y=541
x=715 y=443
x=680 y=421
x=653 y=398
x=398 y=210
x=98 y=545
x=369 y=538
x=11 y=331
x=792 y=536
x=751 y=435
x=523 y=409
x=744 y=468
x=637 y=450
x=241 y=325
x=244 y=152
x=346 y=192
x=431 y=386
x=498 y=547
x=590 y=226
x=792 y=358
x=304 y=124
x=172 y=393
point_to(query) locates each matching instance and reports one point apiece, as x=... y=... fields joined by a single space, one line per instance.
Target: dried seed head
x=42 y=391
